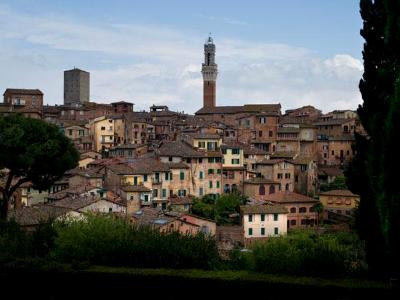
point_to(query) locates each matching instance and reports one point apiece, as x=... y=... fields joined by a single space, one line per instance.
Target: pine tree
x=373 y=172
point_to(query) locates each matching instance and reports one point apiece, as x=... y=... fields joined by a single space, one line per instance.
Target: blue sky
x=294 y=52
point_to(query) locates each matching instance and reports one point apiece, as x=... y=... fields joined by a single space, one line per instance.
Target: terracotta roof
x=288 y=197
x=302 y=160
x=121 y=169
x=34 y=215
x=339 y=193
x=75 y=203
x=250 y=108
x=135 y=188
x=178 y=148
x=263 y=209
x=329 y=171
x=272 y=161
x=152 y=216
x=180 y=200
x=284 y=154
x=23 y=91
x=204 y=135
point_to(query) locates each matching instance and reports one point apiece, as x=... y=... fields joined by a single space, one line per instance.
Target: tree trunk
x=4 y=207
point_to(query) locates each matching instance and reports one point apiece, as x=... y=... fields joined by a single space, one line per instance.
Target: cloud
x=155 y=64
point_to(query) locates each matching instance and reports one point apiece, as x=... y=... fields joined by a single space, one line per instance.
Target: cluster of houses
x=147 y=166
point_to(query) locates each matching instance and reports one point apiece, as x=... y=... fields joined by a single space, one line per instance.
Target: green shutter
x=182 y=176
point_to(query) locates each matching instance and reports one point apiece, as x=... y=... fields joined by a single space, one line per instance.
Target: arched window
x=287 y=187
x=272 y=189
x=302 y=210
x=227 y=188
x=261 y=190
x=293 y=210
x=311 y=209
x=293 y=222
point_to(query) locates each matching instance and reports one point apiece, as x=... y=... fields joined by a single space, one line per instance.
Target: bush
x=105 y=240
x=306 y=253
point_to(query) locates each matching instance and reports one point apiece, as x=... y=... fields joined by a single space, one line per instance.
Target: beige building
x=263 y=221
x=339 y=201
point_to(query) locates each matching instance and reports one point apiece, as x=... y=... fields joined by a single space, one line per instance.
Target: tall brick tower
x=209 y=71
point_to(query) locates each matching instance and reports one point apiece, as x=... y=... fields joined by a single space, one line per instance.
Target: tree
x=318 y=208
x=338 y=184
x=372 y=173
x=32 y=151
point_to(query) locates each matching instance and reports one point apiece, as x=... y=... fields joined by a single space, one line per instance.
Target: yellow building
x=339 y=201
x=107 y=132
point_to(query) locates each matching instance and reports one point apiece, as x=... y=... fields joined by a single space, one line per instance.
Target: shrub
x=105 y=240
x=306 y=253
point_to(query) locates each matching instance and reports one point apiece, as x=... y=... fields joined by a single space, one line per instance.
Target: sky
x=292 y=52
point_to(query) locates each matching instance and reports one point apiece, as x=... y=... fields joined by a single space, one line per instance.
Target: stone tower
x=209 y=71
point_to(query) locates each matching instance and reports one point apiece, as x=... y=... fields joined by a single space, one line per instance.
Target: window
x=200 y=160
x=261 y=190
x=182 y=176
x=293 y=210
x=275 y=217
x=279 y=175
x=201 y=191
x=262 y=217
x=170 y=158
x=164 y=193
x=262 y=231
x=155 y=193
x=218 y=171
x=217 y=184
x=260 y=133
x=210 y=184
x=287 y=175
x=130 y=153
x=235 y=151
x=166 y=175
x=210 y=171
x=235 y=161
x=271 y=189
x=271 y=133
x=293 y=222
x=210 y=160
x=250 y=218
x=145 y=177
x=276 y=231
x=250 y=231
x=333 y=152
x=302 y=210
x=103 y=128
x=202 y=144
x=182 y=193
x=287 y=186
x=224 y=151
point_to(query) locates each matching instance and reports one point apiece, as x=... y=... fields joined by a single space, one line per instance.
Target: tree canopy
x=373 y=172
x=32 y=151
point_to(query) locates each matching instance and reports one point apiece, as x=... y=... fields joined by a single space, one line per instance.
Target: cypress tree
x=373 y=172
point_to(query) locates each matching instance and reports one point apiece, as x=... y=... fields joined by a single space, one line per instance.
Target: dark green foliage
x=220 y=209
x=373 y=172
x=338 y=184
x=16 y=243
x=32 y=150
x=105 y=240
x=306 y=253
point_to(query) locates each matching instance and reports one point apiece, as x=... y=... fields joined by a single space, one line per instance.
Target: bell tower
x=209 y=71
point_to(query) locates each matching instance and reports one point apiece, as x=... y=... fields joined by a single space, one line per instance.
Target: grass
x=242 y=276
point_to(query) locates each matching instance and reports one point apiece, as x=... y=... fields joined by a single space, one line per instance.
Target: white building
x=262 y=221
